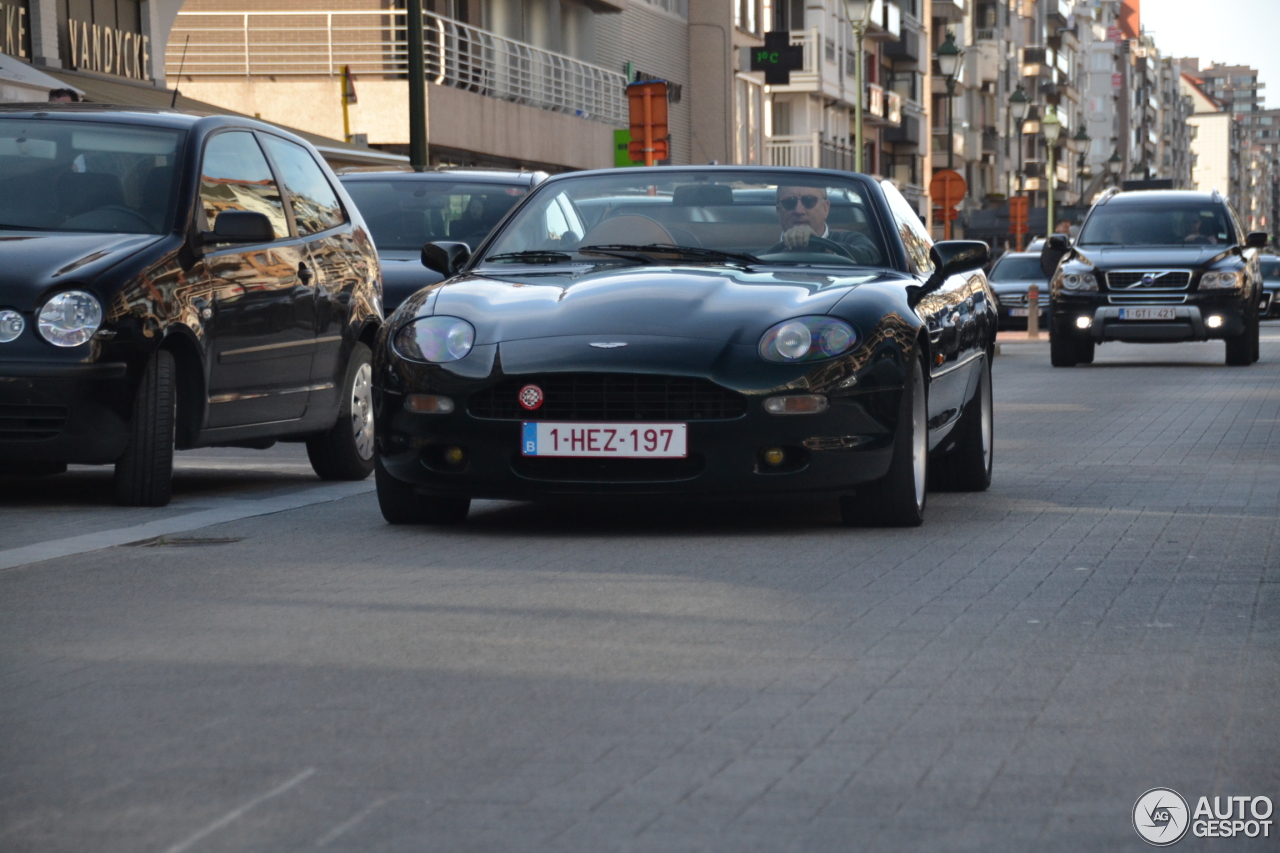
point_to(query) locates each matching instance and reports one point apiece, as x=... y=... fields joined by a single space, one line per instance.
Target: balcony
x=824 y=71
x=811 y=151
x=311 y=43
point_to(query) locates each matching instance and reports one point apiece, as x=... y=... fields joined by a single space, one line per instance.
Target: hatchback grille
x=1161 y=279
x=31 y=423
x=610 y=397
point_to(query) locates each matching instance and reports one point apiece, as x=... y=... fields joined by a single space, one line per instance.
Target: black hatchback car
x=1156 y=266
x=174 y=281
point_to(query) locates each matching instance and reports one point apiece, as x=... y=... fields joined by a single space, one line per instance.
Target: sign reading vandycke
x=15 y=39
x=107 y=50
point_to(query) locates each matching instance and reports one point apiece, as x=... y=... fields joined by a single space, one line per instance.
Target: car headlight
x=436 y=339
x=69 y=319
x=1079 y=281
x=807 y=339
x=1221 y=280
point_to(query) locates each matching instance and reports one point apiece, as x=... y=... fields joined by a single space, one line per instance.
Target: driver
x=803 y=213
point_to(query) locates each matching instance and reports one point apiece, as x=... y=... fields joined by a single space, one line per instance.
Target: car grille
x=1147 y=298
x=610 y=397
x=31 y=423
x=1163 y=279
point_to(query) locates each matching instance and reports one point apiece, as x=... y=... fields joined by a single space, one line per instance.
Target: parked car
x=672 y=339
x=174 y=281
x=1269 y=305
x=1154 y=266
x=406 y=210
x=1011 y=278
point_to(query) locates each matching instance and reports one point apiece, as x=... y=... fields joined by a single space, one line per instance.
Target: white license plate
x=1148 y=314
x=622 y=440
x=1019 y=312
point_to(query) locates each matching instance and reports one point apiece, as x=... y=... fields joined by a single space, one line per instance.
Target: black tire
x=898 y=498
x=1257 y=335
x=345 y=452
x=1240 y=348
x=1084 y=351
x=1062 y=348
x=144 y=474
x=966 y=464
x=400 y=504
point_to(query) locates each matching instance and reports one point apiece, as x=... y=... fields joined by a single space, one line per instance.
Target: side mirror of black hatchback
x=952 y=257
x=445 y=258
x=239 y=226
x=1257 y=240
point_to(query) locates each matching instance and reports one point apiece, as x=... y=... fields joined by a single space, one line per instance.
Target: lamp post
x=1019 y=104
x=948 y=57
x=1082 y=139
x=417 y=87
x=859 y=14
x=1052 y=127
x=1114 y=165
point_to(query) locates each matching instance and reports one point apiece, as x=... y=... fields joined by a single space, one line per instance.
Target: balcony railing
x=320 y=43
x=801 y=150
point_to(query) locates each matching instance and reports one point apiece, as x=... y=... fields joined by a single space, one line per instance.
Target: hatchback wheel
x=400 y=504
x=345 y=452
x=898 y=498
x=966 y=466
x=144 y=474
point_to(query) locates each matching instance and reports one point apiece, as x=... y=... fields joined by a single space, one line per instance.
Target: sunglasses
x=789 y=203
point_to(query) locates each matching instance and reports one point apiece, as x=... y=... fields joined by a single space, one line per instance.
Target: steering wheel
x=112 y=209
x=815 y=242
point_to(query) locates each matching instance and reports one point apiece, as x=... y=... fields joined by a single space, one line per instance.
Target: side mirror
x=239 y=226
x=1257 y=240
x=952 y=257
x=445 y=258
x=1051 y=255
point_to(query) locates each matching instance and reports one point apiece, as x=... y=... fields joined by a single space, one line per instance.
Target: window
x=315 y=205
x=235 y=176
x=746 y=15
x=747 y=110
x=405 y=212
x=915 y=238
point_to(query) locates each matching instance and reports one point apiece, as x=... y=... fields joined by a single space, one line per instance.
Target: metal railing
x=800 y=150
x=320 y=43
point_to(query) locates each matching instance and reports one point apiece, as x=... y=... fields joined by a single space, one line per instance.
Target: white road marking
x=232 y=510
x=348 y=824
x=237 y=813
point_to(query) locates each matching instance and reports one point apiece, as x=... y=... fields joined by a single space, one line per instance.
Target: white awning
x=21 y=82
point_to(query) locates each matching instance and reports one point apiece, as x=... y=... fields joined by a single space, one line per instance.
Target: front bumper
x=1188 y=323
x=1269 y=305
x=74 y=413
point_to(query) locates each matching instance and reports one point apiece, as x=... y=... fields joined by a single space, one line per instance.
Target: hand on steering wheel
x=821 y=244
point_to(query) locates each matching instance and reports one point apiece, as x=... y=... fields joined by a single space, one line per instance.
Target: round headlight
x=11 y=325
x=69 y=319
x=436 y=339
x=807 y=339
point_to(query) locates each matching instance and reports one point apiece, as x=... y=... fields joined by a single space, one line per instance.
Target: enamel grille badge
x=530 y=397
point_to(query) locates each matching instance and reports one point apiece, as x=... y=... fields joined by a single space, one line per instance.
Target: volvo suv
x=1155 y=266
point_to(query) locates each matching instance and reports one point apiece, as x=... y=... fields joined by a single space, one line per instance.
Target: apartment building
x=1215 y=145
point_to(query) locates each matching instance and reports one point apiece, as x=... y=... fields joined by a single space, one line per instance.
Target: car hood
x=720 y=304
x=403 y=275
x=31 y=263
x=1155 y=257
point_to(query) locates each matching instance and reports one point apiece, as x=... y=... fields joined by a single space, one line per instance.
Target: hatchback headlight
x=69 y=319
x=1079 y=281
x=436 y=339
x=807 y=339
x=1221 y=280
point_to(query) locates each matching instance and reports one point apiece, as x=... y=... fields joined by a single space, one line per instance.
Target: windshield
x=86 y=176
x=406 y=212
x=1157 y=225
x=1018 y=269
x=716 y=217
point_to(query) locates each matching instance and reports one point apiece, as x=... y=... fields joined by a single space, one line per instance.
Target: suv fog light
x=1214 y=321
x=454 y=455
x=773 y=456
x=428 y=404
x=796 y=404
x=1083 y=322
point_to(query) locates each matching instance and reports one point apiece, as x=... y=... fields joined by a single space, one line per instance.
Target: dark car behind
x=1011 y=278
x=1269 y=305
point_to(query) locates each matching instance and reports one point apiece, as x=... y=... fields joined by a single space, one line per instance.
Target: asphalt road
x=275 y=669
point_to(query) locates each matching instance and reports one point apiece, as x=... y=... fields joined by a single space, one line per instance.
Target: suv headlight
x=69 y=319
x=1221 y=280
x=1079 y=281
x=436 y=339
x=807 y=339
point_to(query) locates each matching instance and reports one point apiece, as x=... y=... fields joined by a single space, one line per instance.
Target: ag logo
x=530 y=397
x=1160 y=816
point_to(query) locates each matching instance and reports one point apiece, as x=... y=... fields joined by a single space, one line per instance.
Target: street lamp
x=1019 y=104
x=949 y=57
x=1082 y=139
x=1052 y=128
x=859 y=14
x=1115 y=164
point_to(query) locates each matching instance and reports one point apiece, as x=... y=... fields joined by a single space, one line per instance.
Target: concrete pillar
x=44 y=33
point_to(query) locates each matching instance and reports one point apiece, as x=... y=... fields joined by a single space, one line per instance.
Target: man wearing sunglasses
x=803 y=213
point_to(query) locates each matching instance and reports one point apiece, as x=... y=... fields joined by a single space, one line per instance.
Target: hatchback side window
x=315 y=204
x=915 y=238
x=235 y=176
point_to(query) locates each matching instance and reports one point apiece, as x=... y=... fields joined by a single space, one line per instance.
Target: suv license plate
x=620 y=440
x=1019 y=312
x=1148 y=314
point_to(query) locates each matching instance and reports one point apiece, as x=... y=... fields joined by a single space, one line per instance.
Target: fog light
x=1083 y=322
x=1214 y=321
x=796 y=404
x=774 y=456
x=454 y=455
x=428 y=404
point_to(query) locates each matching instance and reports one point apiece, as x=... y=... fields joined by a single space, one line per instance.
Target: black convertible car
x=709 y=331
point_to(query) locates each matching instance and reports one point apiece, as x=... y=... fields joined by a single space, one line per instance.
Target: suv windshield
x=1157 y=225
x=717 y=217
x=1018 y=269
x=86 y=176
x=404 y=213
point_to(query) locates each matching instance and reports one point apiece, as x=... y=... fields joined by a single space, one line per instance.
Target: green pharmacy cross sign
x=778 y=58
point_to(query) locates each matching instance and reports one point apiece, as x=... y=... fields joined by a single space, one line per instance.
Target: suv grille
x=31 y=423
x=609 y=397
x=1161 y=279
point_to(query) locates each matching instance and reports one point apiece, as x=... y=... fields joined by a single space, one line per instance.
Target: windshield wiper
x=533 y=256
x=21 y=227
x=663 y=248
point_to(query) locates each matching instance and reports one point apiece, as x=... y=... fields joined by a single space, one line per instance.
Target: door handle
x=304 y=274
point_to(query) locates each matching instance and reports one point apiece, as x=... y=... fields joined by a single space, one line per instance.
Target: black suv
x=1155 y=266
